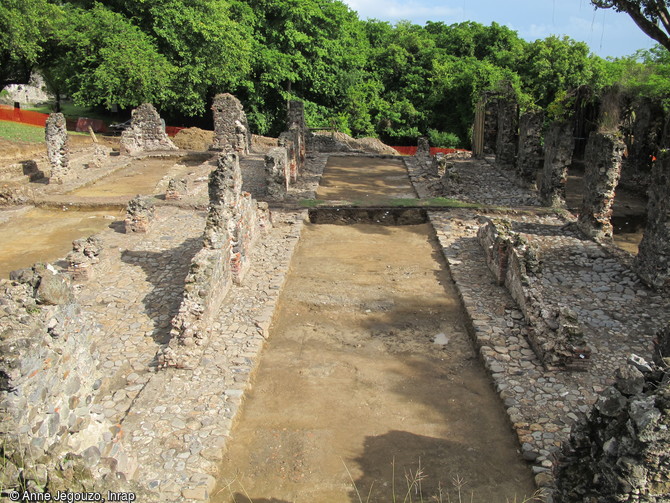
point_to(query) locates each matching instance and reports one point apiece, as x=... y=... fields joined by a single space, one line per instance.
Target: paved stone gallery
x=127 y=357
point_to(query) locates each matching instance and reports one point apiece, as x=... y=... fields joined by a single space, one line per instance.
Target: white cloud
x=416 y=11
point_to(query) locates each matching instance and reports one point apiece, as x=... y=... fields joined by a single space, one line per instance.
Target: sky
x=607 y=33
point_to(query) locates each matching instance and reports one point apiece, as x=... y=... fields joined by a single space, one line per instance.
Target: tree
x=650 y=15
x=24 y=26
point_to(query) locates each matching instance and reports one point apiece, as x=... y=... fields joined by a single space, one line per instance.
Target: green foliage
x=443 y=139
x=368 y=78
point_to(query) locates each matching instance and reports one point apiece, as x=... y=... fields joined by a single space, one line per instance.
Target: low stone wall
x=621 y=451
x=277 y=172
x=233 y=224
x=554 y=332
x=48 y=384
x=146 y=132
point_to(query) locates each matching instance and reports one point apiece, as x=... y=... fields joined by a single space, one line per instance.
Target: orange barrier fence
x=433 y=150
x=9 y=113
x=96 y=124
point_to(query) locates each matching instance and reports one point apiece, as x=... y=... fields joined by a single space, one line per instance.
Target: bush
x=443 y=139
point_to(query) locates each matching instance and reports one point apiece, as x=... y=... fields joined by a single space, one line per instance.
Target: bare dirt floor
x=368 y=377
x=364 y=180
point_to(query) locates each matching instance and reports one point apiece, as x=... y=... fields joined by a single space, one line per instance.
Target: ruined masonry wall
x=555 y=334
x=49 y=379
x=231 y=128
x=653 y=260
x=277 y=172
x=146 y=132
x=506 y=141
x=233 y=225
x=621 y=451
x=559 y=144
x=604 y=154
x=55 y=134
x=529 y=161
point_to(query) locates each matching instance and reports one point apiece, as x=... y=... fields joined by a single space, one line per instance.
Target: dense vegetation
x=365 y=77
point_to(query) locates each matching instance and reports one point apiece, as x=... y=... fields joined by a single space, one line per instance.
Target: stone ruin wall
x=559 y=145
x=506 y=140
x=146 y=132
x=50 y=379
x=233 y=225
x=529 y=160
x=621 y=451
x=231 y=128
x=55 y=133
x=554 y=332
x=604 y=155
x=653 y=260
x=139 y=214
x=277 y=172
x=491 y=126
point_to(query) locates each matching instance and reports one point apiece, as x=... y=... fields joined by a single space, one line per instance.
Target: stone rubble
x=146 y=132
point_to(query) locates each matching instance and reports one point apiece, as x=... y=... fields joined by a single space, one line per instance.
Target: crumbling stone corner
x=176 y=189
x=653 y=260
x=83 y=256
x=422 y=148
x=559 y=145
x=57 y=147
x=603 y=158
x=146 y=132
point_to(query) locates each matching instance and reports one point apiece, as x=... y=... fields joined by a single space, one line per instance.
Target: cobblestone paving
x=172 y=425
x=620 y=313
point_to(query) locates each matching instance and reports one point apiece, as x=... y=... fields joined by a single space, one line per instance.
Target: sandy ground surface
x=369 y=375
x=352 y=379
x=364 y=180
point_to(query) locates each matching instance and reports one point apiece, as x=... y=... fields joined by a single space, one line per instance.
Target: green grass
x=74 y=111
x=21 y=132
x=441 y=202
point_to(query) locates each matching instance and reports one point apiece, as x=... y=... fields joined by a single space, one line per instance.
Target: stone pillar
x=653 y=259
x=231 y=129
x=289 y=141
x=146 y=132
x=506 y=141
x=604 y=154
x=422 y=147
x=57 y=147
x=438 y=166
x=139 y=214
x=277 y=172
x=491 y=126
x=83 y=256
x=529 y=160
x=176 y=189
x=559 y=144
x=225 y=185
x=296 y=123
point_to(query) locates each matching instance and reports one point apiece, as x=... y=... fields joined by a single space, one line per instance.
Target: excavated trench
x=369 y=382
x=40 y=234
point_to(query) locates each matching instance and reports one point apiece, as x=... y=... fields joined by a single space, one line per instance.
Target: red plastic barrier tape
x=172 y=130
x=9 y=113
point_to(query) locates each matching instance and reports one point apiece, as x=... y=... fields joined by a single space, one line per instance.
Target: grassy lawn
x=71 y=110
x=21 y=132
